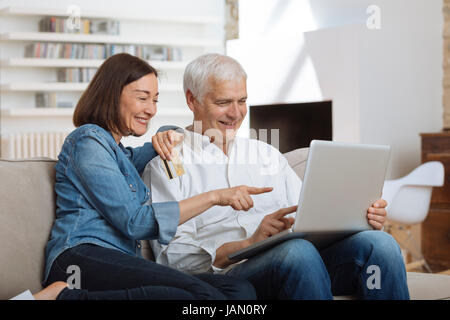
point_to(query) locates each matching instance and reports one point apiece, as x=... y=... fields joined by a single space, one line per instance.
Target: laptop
x=342 y=180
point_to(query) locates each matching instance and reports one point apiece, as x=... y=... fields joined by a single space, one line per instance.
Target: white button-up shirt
x=249 y=162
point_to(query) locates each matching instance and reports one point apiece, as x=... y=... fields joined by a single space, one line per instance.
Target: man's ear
x=191 y=100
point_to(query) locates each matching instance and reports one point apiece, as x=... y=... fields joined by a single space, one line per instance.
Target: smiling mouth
x=143 y=121
x=228 y=124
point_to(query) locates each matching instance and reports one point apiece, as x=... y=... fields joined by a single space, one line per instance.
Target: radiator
x=32 y=144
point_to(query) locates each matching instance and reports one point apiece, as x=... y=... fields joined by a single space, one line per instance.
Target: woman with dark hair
x=104 y=209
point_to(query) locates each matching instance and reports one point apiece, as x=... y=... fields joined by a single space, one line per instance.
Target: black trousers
x=109 y=274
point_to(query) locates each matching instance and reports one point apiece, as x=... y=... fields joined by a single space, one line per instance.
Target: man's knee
x=298 y=253
x=301 y=271
x=380 y=245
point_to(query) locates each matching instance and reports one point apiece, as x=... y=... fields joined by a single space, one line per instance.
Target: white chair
x=409 y=198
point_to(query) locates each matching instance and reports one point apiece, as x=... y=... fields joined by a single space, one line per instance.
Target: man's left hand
x=376 y=214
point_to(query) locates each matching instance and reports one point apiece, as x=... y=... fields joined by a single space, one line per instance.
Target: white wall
x=401 y=79
x=386 y=84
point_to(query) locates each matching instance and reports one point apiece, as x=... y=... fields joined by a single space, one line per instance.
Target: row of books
x=76 y=74
x=78 y=25
x=100 y=51
x=50 y=100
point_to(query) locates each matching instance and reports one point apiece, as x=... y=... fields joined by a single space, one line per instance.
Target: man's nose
x=233 y=111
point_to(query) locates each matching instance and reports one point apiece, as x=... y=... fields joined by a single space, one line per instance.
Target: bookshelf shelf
x=36 y=112
x=42 y=86
x=30 y=11
x=104 y=39
x=80 y=63
x=64 y=87
x=68 y=112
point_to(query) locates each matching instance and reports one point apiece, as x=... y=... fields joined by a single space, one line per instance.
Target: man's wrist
x=221 y=260
x=213 y=198
x=246 y=243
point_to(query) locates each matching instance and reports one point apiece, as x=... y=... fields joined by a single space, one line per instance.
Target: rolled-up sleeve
x=167 y=214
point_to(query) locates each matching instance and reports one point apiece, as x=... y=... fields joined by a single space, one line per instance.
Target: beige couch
x=27 y=210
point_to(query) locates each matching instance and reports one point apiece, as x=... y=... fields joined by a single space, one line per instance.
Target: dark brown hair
x=99 y=103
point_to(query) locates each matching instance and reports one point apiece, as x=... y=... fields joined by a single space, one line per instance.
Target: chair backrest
x=409 y=197
x=428 y=174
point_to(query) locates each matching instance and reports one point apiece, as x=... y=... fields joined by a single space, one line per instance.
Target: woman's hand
x=238 y=197
x=165 y=141
x=376 y=214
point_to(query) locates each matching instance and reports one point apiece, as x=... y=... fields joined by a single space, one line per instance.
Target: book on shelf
x=51 y=50
x=76 y=74
x=49 y=100
x=45 y=100
x=83 y=26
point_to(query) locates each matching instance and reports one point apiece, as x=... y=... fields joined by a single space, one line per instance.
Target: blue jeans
x=108 y=274
x=295 y=269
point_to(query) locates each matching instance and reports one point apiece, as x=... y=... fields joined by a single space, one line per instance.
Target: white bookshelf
x=103 y=39
x=68 y=112
x=64 y=87
x=36 y=112
x=195 y=33
x=81 y=63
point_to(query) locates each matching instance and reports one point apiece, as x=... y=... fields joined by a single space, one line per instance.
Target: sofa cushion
x=26 y=217
x=297 y=160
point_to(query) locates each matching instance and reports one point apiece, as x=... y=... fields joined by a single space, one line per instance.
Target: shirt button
x=131 y=186
x=139 y=245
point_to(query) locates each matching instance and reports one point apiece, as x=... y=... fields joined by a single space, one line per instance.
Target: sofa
x=27 y=211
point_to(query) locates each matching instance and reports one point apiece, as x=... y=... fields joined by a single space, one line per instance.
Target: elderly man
x=214 y=157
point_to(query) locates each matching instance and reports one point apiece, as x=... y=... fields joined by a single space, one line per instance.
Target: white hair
x=211 y=65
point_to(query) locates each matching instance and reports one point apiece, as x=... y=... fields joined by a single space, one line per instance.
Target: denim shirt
x=101 y=198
